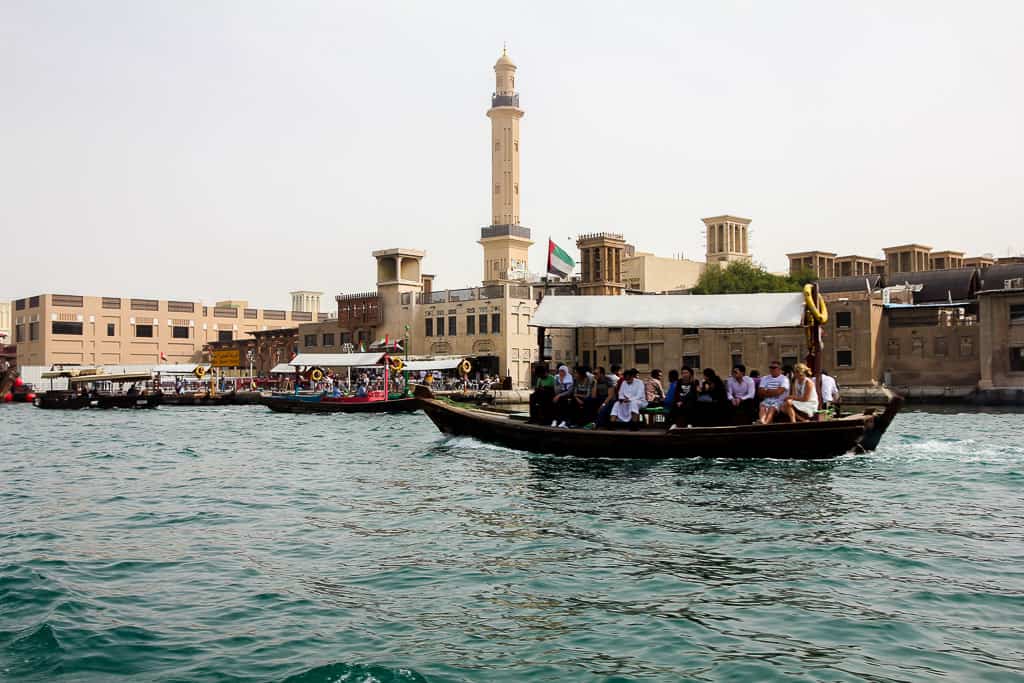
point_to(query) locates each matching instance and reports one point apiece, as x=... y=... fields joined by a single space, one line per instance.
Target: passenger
x=711 y=407
x=681 y=412
x=772 y=392
x=563 y=394
x=802 y=402
x=653 y=391
x=670 y=392
x=577 y=408
x=133 y=390
x=541 y=408
x=740 y=391
x=829 y=392
x=602 y=394
x=630 y=400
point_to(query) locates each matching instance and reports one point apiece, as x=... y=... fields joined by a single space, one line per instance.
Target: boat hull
x=284 y=404
x=71 y=401
x=801 y=441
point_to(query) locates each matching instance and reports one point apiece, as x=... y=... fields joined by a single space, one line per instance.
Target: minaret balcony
x=504 y=100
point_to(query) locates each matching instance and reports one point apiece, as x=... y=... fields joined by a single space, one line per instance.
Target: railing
x=492 y=292
x=468 y=294
x=504 y=100
x=519 y=292
x=507 y=230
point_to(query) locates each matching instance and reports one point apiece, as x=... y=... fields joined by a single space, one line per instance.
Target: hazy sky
x=213 y=150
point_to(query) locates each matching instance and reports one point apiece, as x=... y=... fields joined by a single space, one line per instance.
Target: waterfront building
x=5 y=322
x=102 y=330
x=645 y=272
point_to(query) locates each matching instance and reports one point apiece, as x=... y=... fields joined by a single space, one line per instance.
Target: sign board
x=226 y=358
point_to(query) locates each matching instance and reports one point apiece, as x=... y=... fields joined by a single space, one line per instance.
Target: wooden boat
x=79 y=395
x=305 y=403
x=800 y=441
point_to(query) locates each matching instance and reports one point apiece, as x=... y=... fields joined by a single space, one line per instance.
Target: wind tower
x=727 y=239
x=601 y=263
x=506 y=243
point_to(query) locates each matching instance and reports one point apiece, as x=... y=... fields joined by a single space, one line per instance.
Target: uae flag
x=559 y=262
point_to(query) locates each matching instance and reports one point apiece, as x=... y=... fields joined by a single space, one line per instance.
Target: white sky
x=218 y=150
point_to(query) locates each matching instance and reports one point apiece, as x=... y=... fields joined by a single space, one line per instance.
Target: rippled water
x=232 y=544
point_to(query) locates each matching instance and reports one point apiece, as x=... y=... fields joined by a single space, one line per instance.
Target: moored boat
x=796 y=441
x=93 y=388
x=292 y=403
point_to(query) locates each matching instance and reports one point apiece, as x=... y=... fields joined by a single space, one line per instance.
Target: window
x=346 y=338
x=224 y=335
x=966 y=347
x=177 y=332
x=111 y=330
x=1017 y=359
x=33 y=331
x=309 y=340
x=482 y=320
x=470 y=324
x=692 y=361
x=328 y=339
x=642 y=355
x=789 y=360
x=690 y=331
x=1017 y=314
x=495 y=323
x=143 y=330
x=844 y=358
x=614 y=356
x=58 y=327
x=844 y=320
x=941 y=346
x=19 y=333
x=440 y=327
x=737 y=359
x=453 y=327
x=429 y=324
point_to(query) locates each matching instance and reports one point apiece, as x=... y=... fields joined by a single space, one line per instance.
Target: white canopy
x=282 y=369
x=432 y=364
x=717 y=311
x=337 y=360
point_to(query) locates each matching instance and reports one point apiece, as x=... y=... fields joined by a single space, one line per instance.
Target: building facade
x=101 y=330
x=6 y=332
x=305 y=300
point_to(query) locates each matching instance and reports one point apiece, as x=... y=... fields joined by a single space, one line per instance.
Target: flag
x=559 y=262
x=362 y=347
x=386 y=340
x=163 y=356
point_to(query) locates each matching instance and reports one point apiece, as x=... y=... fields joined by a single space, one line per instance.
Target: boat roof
x=710 y=311
x=432 y=364
x=337 y=360
x=111 y=377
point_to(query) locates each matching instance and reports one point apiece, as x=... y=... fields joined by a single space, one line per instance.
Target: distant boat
x=93 y=388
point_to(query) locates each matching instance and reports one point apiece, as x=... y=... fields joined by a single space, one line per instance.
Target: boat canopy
x=111 y=377
x=337 y=360
x=711 y=311
x=282 y=369
x=432 y=364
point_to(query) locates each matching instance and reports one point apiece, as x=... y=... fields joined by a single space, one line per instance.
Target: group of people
x=611 y=398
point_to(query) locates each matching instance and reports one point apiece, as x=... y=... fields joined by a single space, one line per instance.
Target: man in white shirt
x=630 y=400
x=773 y=391
x=829 y=392
x=740 y=391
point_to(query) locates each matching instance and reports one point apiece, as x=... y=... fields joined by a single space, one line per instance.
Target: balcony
x=504 y=100
x=451 y=296
x=504 y=231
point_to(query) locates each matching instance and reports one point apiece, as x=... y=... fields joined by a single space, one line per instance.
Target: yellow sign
x=226 y=358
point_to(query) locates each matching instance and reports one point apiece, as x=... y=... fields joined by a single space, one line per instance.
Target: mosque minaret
x=506 y=243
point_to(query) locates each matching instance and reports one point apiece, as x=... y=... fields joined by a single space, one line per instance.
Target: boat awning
x=432 y=364
x=282 y=368
x=179 y=368
x=337 y=360
x=112 y=377
x=711 y=311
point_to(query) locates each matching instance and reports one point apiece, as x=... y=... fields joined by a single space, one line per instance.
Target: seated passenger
x=541 y=408
x=563 y=393
x=670 y=392
x=575 y=410
x=653 y=391
x=630 y=400
x=802 y=402
x=681 y=410
x=602 y=394
x=740 y=391
x=772 y=391
x=710 y=409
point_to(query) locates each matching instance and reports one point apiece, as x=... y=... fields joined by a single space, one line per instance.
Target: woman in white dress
x=803 y=396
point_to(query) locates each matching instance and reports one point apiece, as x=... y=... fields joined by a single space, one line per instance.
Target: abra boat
x=304 y=403
x=815 y=439
x=92 y=388
x=800 y=441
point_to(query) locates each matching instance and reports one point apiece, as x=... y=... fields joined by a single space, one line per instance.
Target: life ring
x=465 y=366
x=199 y=371
x=818 y=310
x=397 y=365
x=316 y=374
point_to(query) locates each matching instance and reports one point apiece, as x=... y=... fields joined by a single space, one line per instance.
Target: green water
x=233 y=544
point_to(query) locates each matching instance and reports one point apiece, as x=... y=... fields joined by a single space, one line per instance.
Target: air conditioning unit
x=1014 y=283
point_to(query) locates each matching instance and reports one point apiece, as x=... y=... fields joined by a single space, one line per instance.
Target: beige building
x=821 y=263
x=645 y=272
x=6 y=332
x=727 y=239
x=101 y=330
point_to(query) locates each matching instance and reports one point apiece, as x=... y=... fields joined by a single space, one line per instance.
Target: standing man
x=829 y=392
